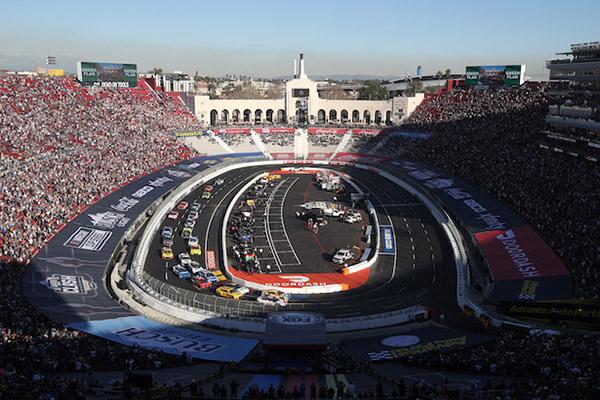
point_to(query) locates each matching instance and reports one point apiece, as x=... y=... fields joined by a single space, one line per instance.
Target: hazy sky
x=261 y=37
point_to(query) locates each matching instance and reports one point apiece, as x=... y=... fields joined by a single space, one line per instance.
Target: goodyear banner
x=143 y=332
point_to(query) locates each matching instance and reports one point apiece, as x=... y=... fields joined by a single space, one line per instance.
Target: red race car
x=200 y=282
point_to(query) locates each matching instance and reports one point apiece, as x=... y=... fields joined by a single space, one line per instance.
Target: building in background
x=573 y=120
x=302 y=105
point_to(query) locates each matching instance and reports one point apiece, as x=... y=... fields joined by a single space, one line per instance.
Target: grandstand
x=64 y=146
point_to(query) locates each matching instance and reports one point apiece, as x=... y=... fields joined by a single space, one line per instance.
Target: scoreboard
x=107 y=74
x=495 y=75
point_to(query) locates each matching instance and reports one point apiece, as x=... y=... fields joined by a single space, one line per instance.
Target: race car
x=236 y=286
x=193 y=215
x=195 y=267
x=209 y=276
x=167 y=242
x=219 y=275
x=167 y=232
x=195 y=250
x=351 y=217
x=193 y=241
x=195 y=206
x=208 y=188
x=166 y=253
x=342 y=256
x=200 y=282
x=228 y=292
x=219 y=182
x=189 y=224
x=181 y=272
x=173 y=215
x=206 y=195
x=186 y=232
x=274 y=297
x=184 y=259
x=182 y=205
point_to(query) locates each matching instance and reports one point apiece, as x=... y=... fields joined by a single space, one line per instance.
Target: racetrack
x=420 y=270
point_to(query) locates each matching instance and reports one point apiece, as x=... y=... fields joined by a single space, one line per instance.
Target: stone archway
x=332 y=115
x=235 y=116
x=377 y=117
x=355 y=116
x=269 y=115
x=214 y=117
x=258 y=116
x=344 y=116
x=367 y=117
x=321 y=117
x=225 y=116
x=247 y=114
x=281 y=116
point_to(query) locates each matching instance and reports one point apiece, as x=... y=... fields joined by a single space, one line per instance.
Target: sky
x=260 y=38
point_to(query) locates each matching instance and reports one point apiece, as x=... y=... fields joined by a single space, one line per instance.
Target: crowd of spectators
x=540 y=366
x=491 y=139
x=325 y=139
x=63 y=146
x=278 y=139
x=34 y=349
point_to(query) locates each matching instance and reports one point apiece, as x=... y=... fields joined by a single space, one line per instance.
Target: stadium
x=159 y=243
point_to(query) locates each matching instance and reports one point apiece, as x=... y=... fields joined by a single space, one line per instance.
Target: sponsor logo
x=439 y=183
x=190 y=166
x=295 y=281
x=296 y=318
x=423 y=174
x=528 y=290
x=517 y=254
x=85 y=238
x=162 y=181
x=475 y=206
x=295 y=278
x=69 y=284
x=109 y=220
x=141 y=192
x=125 y=204
x=401 y=341
x=178 y=174
x=388 y=240
x=457 y=193
x=492 y=221
x=165 y=339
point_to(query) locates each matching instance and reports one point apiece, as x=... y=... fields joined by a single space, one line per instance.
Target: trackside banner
x=523 y=267
x=143 y=332
x=518 y=253
x=65 y=280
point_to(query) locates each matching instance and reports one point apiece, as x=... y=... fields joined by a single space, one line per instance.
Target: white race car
x=342 y=256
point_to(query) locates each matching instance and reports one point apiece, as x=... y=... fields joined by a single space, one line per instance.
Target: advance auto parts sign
x=140 y=331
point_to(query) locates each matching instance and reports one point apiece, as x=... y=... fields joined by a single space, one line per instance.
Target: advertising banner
x=518 y=253
x=326 y=131
x=523 y=267
x=143 y=332
x=412 y=342
x=388 y=242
